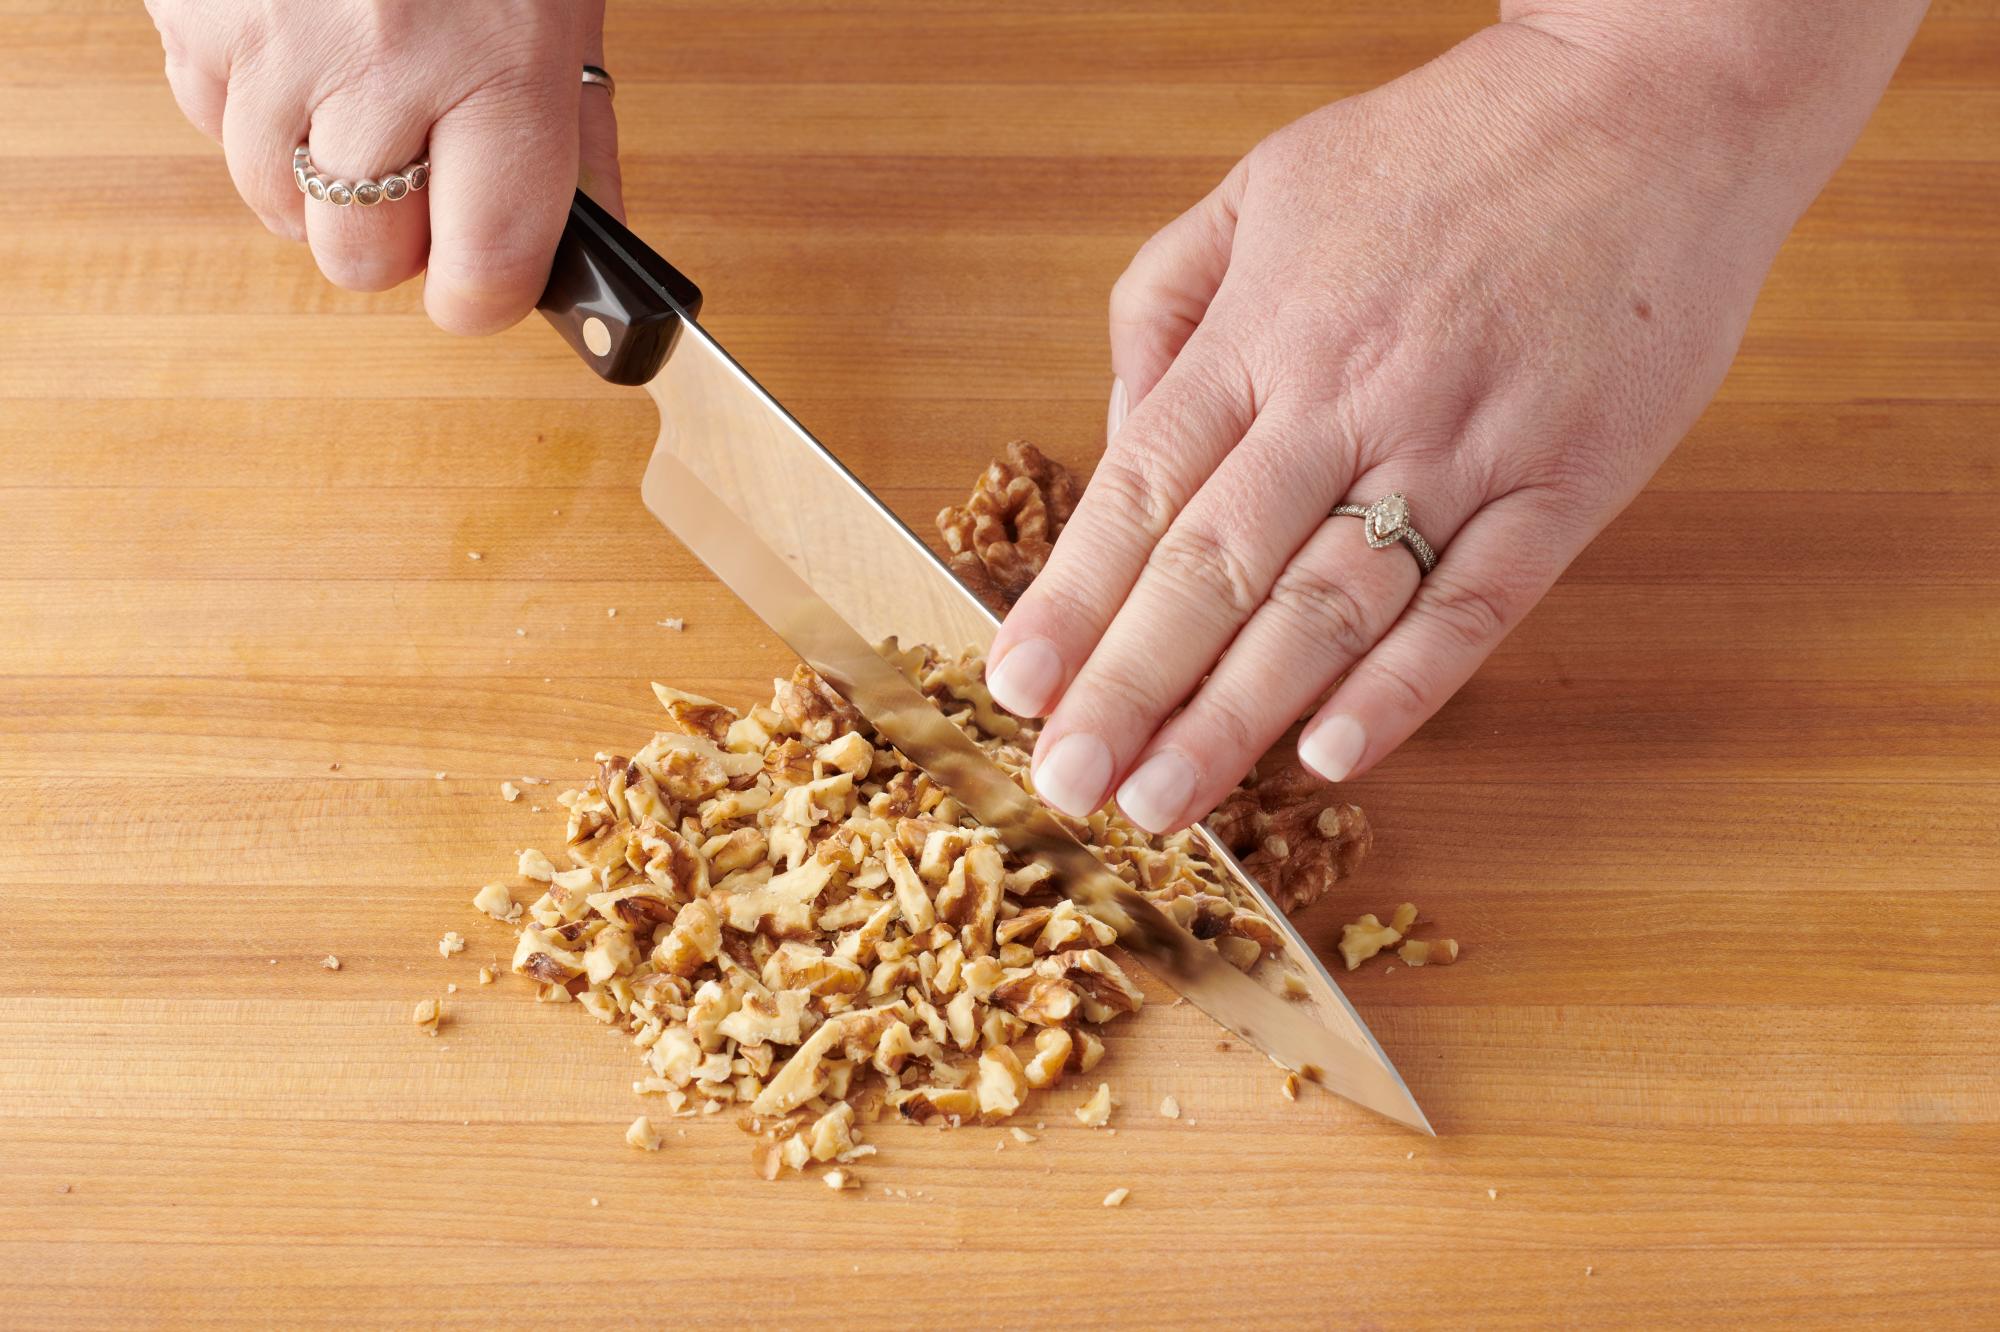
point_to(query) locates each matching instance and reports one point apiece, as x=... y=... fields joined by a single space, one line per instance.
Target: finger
x=1174 y=441
x=262 y=122
x=198 y=92
x=598 y=173
x=1160 y=299
x=503 y=171
x=1201 y=584
x=1331 y=604
x=355 y=137
x=1492 y=574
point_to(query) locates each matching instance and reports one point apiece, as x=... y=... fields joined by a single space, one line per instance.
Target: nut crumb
x=452 y=943
x=486 y=975
x=593 y=1202
x=837 y=1180
x=1290 y=1087
x=1409 y=1156
x=333 y=767
x=428 y=1015
x=673 y=622
x=610 y=612
x=451 y=987
x=1022 y=1135
x=641 y=1135
x=520 y=633
x=440 y=776
x=1096 y=1112
x=63 y=1188
x=1170 y=1108
x=1493 y=1193
x=509 y=792
x=1117 y=1197
x=474 y=555
x=330 y=962
x=1589 y=1270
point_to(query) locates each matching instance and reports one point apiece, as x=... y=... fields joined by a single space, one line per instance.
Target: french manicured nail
x=1076 y=775
x=1026 y=680
x=1334 y=747
x=1156 y=795
x=1120 y=405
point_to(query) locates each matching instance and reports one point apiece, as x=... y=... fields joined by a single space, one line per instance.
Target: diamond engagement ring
x=367 y=191
x=1387 y=521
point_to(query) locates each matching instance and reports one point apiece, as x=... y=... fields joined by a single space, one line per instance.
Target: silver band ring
x=601 y=76
x=1387 y=521
x=368 y=191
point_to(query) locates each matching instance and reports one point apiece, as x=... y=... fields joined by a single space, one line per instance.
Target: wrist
x=1759 y=98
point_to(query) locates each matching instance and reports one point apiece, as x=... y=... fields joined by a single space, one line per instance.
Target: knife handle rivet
x=596 y=336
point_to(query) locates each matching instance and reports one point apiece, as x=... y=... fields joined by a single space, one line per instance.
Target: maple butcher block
x=1718 y=828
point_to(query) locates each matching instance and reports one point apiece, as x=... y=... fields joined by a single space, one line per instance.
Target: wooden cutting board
x=1719 y=828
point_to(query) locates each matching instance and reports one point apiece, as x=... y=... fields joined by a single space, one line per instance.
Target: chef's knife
x=821 y=560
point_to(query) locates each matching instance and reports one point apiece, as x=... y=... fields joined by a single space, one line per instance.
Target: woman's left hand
x=1504 y=286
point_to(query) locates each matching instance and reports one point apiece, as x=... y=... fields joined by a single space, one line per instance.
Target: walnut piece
x=330 y=962
x=1364 y=938
x=1000 y=538
x=1428 y=952
x=1096 y=1112
x=1292 y=835
x=642 y=1135
x=1117 y=1197
x=429 y=1014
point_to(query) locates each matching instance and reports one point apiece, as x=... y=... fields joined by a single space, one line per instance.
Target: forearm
x=1773 y=92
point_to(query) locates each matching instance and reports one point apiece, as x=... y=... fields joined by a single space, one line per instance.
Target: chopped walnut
x=1290 y=1086
x=788 y=919
x=642 y=1135
x=1170 y=1108
x=428 y=1015
x=1096 y=1112
x=1117 y=1197
x=330 y=962
x=509 y=792
x=1365 y=938
x=1428 y=952
x=486 y=975
x=1000 y=538
x=452 y=943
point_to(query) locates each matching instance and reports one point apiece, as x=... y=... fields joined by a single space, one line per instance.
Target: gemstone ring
x=366 y=192
x=1387 y=521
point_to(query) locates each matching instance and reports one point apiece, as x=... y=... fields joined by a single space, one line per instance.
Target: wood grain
x=1719 y=827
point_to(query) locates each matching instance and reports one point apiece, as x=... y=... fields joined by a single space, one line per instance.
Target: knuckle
x=1409 y=691
x=1232 y=724
x=1130 y=484
x=1470 y=615
x=1196 y=560
x=1328 y=612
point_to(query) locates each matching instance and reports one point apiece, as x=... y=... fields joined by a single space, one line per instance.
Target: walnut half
x=1000 y=538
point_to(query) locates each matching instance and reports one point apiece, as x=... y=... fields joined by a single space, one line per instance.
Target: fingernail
x=1156 y=795
x=1115 y=417
x=1074 y=776
x=1026 y=680
x=1334 y=747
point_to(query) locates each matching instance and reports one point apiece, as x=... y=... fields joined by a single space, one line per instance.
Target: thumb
x=1164 y=292
x=597 y=125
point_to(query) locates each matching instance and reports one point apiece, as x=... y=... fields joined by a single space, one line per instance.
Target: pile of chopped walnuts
x=789 y=919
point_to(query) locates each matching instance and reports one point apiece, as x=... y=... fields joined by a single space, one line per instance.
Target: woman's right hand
x=490 y=93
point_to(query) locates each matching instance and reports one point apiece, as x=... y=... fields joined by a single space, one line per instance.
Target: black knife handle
x=616 y=302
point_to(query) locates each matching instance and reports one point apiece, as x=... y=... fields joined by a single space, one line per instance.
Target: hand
x=1504 y=286
x=490 y=92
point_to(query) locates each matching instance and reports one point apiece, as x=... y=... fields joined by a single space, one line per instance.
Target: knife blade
x=787 y=527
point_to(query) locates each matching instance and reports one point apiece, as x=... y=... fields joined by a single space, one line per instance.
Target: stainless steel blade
x=809 y=548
